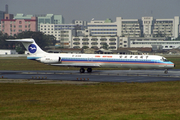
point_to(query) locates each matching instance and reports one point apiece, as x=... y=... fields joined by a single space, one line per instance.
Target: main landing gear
x=82 y=70
x=166 y=71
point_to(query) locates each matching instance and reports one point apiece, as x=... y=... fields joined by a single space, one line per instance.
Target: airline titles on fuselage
x=121 y=56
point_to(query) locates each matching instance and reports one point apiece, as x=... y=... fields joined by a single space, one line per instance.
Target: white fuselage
x=94 y=60
x=105 y=60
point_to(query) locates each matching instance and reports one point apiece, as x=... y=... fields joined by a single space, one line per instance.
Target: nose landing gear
x=166 y=71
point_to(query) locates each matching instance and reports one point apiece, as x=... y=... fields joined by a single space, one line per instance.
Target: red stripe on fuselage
x=117 y=62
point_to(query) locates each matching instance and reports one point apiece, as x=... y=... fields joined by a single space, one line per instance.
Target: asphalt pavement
x=95 y=76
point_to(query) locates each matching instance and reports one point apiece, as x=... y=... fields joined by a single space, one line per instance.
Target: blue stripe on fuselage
x=33 y=58
x=113 y=60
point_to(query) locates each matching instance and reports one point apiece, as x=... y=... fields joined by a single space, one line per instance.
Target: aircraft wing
x=78 y=65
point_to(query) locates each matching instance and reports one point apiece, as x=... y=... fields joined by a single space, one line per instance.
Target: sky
x=97 y=9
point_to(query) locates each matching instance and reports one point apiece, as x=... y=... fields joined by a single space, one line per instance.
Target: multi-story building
x=22 y=16
x=131 y=28
x=13 y=26
x=156 y=44
x=80 y=23
x=127 y=32
x=95 y=42
x=49 y=19
x=147 y=23
x=122 y=27
x=161 y=27
x=58 y=19
x=62 y=32
x=102 y=28
x=1 y=15
x=124 y=42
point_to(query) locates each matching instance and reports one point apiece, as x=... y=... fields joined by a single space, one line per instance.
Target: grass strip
x=157 y=101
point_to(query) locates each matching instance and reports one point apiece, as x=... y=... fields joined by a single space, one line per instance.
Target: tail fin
x=30 y=45
x=35 y=51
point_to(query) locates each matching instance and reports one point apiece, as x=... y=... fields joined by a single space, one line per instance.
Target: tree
x=19 y=50
x=85 y=47
x=3 y=43
x=105 y=46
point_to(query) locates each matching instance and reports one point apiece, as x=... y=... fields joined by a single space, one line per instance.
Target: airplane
x=90 y=61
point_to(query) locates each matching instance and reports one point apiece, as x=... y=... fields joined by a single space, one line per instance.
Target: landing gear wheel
x=82 y=70
x=166 y=71
x=89 y=70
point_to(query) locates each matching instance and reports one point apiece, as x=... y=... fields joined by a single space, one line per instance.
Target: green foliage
x=105 y=46
x=4 y=44
x=85 y=47
x=19 y=50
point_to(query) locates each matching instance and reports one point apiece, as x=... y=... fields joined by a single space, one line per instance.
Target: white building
x=95 y=42
x=124 y=42
x=102 y=28
x=158 y=44
x=160 y=27
x=49 y=19
x=122 y=27
x=147 y=23
x=63 y=33
x=81 y=23
x=125 y=31
x=131 y=28
x=7 y=52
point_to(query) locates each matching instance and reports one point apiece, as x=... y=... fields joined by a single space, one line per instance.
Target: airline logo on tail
x=32 y=48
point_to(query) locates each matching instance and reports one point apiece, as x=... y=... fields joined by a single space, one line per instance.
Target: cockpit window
x=164 y=59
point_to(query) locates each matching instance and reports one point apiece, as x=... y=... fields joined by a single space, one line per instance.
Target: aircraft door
x=59 y=59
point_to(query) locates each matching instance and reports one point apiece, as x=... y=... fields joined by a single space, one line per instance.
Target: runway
x=96 y=75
